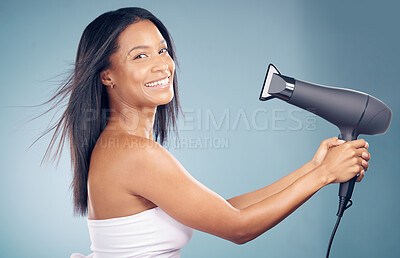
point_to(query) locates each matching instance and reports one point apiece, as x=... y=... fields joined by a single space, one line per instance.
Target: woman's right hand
x=345 y=161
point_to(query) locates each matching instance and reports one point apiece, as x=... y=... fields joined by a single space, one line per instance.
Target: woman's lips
x=158 y=83
x=165 y=86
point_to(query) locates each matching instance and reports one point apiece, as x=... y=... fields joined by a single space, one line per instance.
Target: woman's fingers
x=334 y=141
x=324 y=148
x=366 y=155
x=360 y=176
x=365 y=165
x=347 y=160
x=362 y=152
x=360 y=143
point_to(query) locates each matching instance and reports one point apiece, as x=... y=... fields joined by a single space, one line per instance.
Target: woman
x=140 y=201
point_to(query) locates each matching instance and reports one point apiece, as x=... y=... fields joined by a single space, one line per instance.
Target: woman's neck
x=132 y=120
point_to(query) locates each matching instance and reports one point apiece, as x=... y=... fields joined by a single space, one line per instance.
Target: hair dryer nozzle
x=277 y=85
x=267 y=82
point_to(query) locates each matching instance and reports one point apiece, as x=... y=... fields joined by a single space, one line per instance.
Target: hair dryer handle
x=346 y=189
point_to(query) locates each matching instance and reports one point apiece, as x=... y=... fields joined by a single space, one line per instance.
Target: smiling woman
x=140 y=201
x=141 y=69
x=123 y=87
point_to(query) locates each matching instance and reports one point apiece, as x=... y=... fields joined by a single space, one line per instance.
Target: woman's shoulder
x=129 y=160
x=116 y=147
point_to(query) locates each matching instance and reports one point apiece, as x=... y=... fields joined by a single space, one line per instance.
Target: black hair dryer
x=353 y=112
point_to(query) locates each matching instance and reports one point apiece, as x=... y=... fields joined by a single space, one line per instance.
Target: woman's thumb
x=334 y=142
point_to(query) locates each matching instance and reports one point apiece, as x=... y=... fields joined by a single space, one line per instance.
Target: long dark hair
x=87 y=111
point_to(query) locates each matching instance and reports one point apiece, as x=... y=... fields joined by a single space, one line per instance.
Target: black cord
x=342 y=207
x=332 y=236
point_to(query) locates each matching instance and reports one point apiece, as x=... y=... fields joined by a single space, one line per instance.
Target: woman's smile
x=159 y=84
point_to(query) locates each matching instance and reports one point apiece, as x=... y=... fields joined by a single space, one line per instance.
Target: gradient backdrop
x=229 y=140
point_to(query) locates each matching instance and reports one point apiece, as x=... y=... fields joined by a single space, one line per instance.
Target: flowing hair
x=87 y=110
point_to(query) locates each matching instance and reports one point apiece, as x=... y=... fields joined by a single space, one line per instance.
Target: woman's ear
x=105 y=78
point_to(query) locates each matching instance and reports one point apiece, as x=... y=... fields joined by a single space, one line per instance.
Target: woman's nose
x=160 y=65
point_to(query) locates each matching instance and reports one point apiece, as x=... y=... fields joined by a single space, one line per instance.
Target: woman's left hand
x=323 y=150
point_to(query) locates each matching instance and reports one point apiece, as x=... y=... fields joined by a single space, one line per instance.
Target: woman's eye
x=164 y=50
x=140 y=56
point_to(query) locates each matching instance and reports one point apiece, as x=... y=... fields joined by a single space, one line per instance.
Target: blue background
x=224 y=48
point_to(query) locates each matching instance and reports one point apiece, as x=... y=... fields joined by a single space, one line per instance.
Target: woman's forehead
x=142 y=33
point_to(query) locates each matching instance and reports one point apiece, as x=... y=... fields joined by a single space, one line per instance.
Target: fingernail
x=367 y=144
x=341 y=141
x=365 y=155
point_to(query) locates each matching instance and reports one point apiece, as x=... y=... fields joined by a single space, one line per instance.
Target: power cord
x=342 y=207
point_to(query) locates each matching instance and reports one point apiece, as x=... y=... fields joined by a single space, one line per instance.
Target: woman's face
x=141 y=68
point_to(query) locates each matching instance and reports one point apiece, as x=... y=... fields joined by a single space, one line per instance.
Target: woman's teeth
x=157 y=83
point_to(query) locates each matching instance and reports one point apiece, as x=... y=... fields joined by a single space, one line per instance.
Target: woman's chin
x=165 y=98
x=164 y=102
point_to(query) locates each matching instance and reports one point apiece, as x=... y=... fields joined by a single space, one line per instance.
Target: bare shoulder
x=128 y=154
x=139 y=149
x=124 y=144
x=145 y=156
x=143 y=164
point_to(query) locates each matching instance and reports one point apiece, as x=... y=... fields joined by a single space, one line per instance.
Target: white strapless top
x=151 y=233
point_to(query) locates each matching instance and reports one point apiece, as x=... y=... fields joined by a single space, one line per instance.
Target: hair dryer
x=353 y=112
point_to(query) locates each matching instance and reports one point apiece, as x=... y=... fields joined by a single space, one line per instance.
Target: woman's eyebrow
x=143 y=46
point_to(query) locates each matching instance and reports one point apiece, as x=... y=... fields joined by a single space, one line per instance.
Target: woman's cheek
x=138 y=76
x=172 y=65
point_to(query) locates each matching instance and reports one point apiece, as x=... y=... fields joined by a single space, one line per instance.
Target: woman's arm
x=247 y=199
x=267 y=213
x=153 y=173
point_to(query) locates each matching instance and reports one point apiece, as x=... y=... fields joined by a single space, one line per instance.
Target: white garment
x=151 y=233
